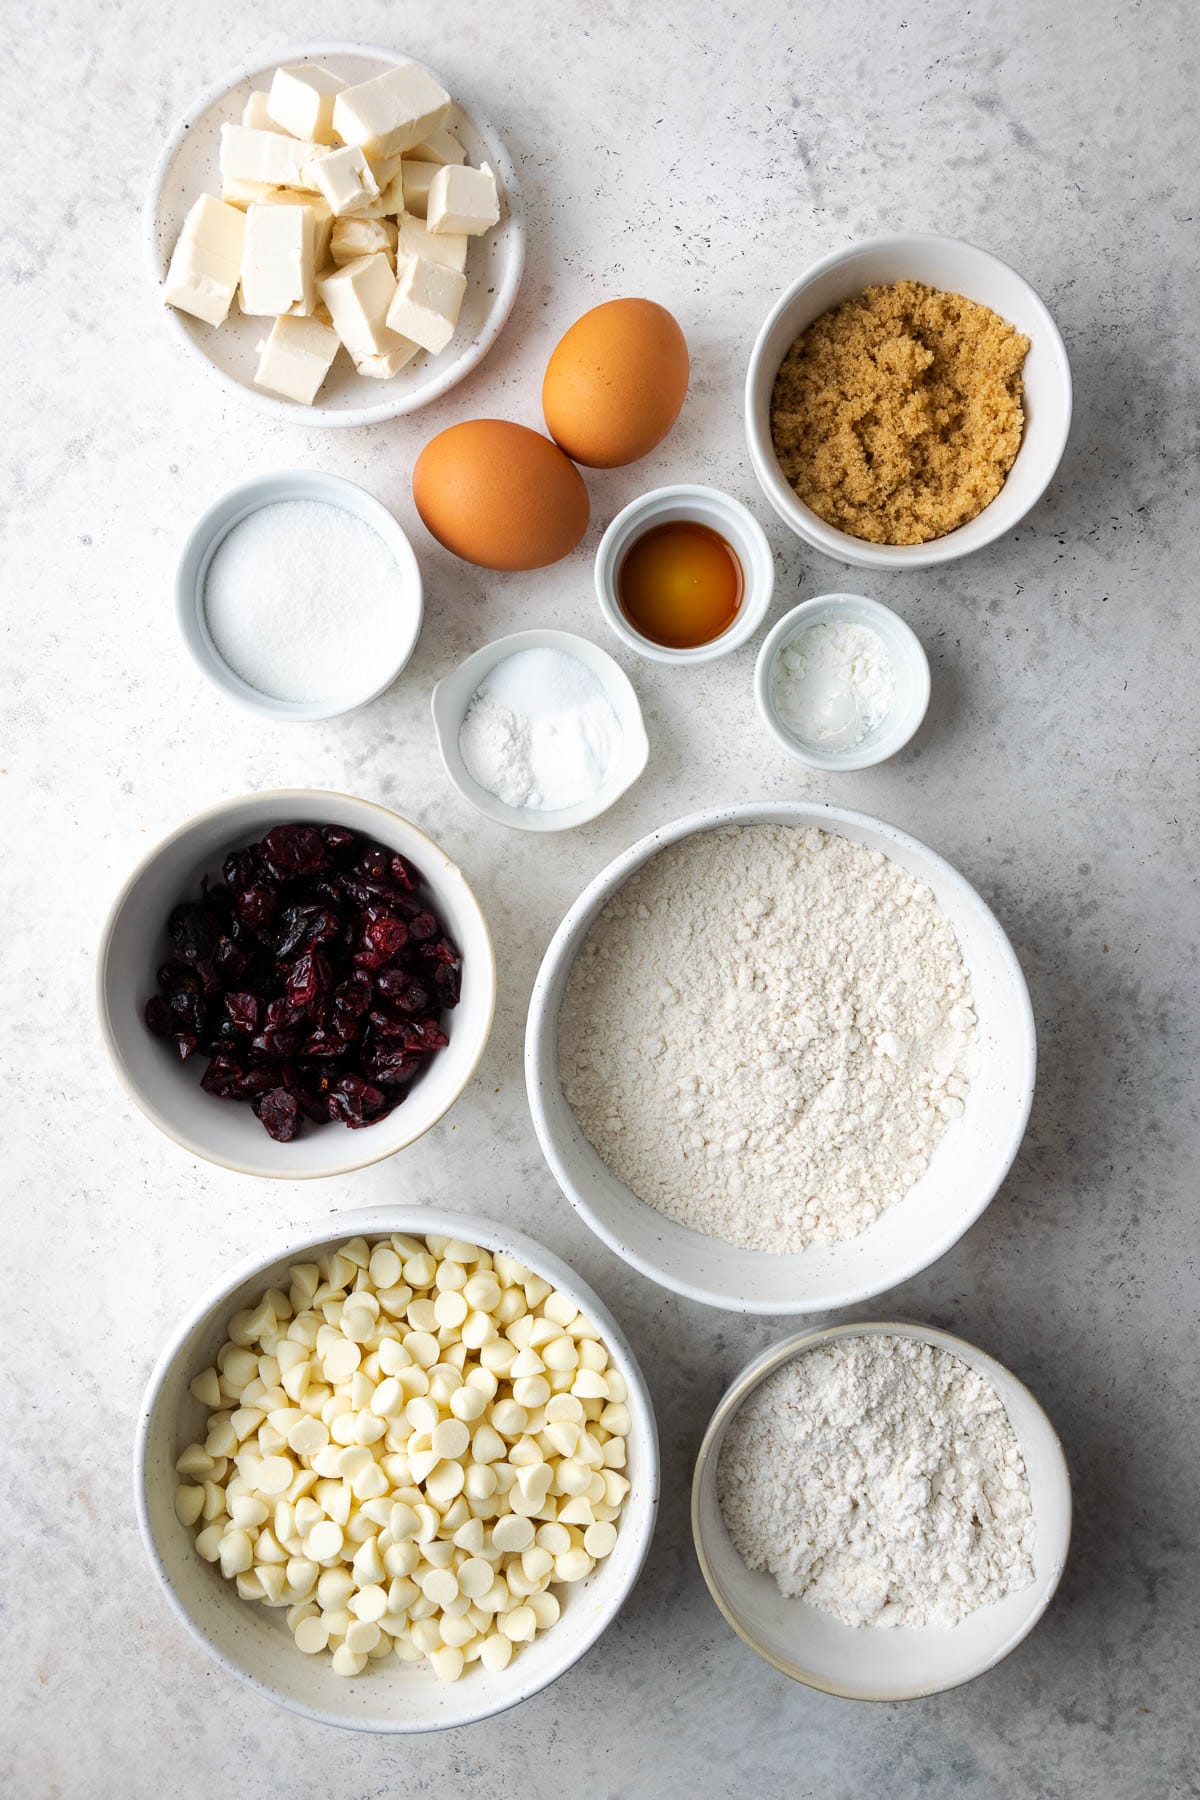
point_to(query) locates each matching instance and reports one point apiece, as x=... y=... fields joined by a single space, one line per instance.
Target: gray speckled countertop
x=700 y=155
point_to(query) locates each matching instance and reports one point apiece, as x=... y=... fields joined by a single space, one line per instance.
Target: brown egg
x=615 y=383
x=500 y=495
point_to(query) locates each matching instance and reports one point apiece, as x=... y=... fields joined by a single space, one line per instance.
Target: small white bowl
x=865 y=1662
x=219 y=520
x=187 y=167
x=910 y=672
x=253 y=1642
x=971 y=1160
x=134 y=943
x=721 y=513
x=453 y=695
x=955 y=267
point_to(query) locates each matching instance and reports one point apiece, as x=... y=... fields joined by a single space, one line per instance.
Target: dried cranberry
x=402 y=990
x=242 y=1011
x=158 y=1015
x=425 y=1036
x=194 y=931
x=279 y=1111
x=353 y=1100
x=309 y=977
x=337 y=840
x=391 y=1068
x=290 y=850
x=242 y=868
x=257 y=904
x=423 y=926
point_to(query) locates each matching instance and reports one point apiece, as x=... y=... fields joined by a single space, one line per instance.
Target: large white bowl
x=134 y=943
x=970 y=1162
x=866 y=1663
x=958 y=268
x=252 y=1642
x=187 y=167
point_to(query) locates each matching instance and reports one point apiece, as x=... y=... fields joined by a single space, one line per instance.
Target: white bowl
x=187 y=167
x=134 y=943
x=865 y=1662
x=722 y=514
x=955 y=267
x=219 y=520
x=910 y=672
x=252 y=1642
x=453 y=694
x=971 y=1159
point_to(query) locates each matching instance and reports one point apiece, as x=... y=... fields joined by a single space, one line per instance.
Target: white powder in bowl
x=880 y=1479
x=540 y=731
x=306 y=602
x=833 y=684
x=766 y=1032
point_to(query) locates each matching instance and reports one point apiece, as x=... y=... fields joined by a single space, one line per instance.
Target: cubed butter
x=392 y=111
x=426 y=303
x=390 y=362
x=278 y=260
x=255 y=113
x=206 y=264
x=415 y=180
x=385 y=169
x=462 y=199
x=296 y=357
x=439 y=147
x=344 y=178
x=416 y=240
x=353 y=238
x=251 y=155
x=322 y=218
x=301 y=100
x=358 y=297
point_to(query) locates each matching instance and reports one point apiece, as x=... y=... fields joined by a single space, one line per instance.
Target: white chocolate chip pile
x=408 y=1451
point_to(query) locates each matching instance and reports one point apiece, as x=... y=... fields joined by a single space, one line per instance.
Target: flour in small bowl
x=766 y=1033
x=879 y=1478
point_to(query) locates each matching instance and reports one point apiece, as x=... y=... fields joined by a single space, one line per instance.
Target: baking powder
x=833 y=684
x=540 y=731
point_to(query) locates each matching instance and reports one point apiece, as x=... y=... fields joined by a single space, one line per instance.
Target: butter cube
x=392 y=111
x=344 y=178
x=383 y=367
x=278 y=260
x=353 y=238
x=301 y=100
x=427 y=302
x=295 y=358
x=358 y=297
x=463 y=200
x=206 y=264
x=415 y=180
x=416 y=240
x=251 y=155
x=322 y=218
x=439 y=147
x=255 y=114
x=385 y=169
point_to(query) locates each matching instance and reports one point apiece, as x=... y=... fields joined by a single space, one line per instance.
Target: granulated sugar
x=766 y=1032
x=879 y=1478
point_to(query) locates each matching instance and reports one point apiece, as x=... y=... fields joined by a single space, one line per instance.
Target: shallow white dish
x=910 y=673
x=214 y=525
x=722 y=514
x=955 y=267
x=187 y=167
x=252 y=1642
x=453 y=694
x=868 y=1663
x=134 y=943
x=971 y=1160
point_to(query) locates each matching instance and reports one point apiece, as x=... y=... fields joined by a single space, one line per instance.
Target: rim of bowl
x=382 y=1220
x=208 y=534
x=380 y=411
x=539 y=1026
x=782 y=634
x=112 y=1047
x=635 y=746
x=841 y=545
x=759 y=585
x=754 y=1374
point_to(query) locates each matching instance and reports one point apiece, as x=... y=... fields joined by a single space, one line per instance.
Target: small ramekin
x=214 y=525
x=723 y=514
x=864 y=1662
x=910 y=670
x=453 y=694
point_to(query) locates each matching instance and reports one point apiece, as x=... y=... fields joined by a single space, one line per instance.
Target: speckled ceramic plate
x=187 y=167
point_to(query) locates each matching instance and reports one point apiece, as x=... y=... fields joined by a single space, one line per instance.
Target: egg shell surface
x=615 y=383
x=500 y=495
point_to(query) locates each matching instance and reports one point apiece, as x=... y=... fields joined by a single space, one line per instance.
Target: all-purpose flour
x=880 y=1479
x=766 y=1032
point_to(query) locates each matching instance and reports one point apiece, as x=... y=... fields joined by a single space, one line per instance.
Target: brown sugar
x=897 y=415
